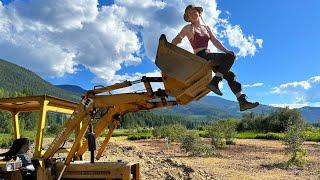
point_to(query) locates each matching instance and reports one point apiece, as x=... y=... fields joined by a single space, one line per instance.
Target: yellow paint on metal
x=118 y=99
x=41 y=126
x=101 y=124
x=99 y=170
x=112 y=87
x=79 y=126
x=102 y=147
x=77 y=141
x=182 y=70
x=70 y=125
x=60 y=109
x=16 y=129
x=32 y=103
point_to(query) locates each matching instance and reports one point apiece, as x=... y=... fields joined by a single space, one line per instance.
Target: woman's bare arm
x=217 y=43
x=180 y=36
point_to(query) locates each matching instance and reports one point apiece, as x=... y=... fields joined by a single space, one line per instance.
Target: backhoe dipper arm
x=117 y=104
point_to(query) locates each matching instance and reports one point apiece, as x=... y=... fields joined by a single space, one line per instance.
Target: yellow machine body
x=185 y=77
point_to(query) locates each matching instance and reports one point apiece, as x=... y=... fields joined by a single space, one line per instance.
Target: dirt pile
x=155 y=164
x=247 y=159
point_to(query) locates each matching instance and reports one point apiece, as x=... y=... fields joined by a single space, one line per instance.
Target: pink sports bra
x=199 y=41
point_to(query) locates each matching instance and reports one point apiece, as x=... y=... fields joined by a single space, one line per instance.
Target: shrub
x=276 y=121
x=293 y=140
x=172 y=132
x=203 y=133
x=191 y=143
x=216 y=134
x=222 y=132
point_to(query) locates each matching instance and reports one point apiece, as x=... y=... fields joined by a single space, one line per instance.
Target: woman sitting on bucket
x=199 y=36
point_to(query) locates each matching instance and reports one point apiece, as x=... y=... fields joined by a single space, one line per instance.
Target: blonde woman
x=199 y=36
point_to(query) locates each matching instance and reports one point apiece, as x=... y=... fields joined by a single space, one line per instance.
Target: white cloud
x=293 y=86
x=315 y=79
x=303 y=93
x=58 y=15
x=139 y=86
x=53 y=37
x=298 y=103
x=314 y=104
x=53 y=46
x=236 y=38
x=259 y=42
x=253 y=85
x=291 y=106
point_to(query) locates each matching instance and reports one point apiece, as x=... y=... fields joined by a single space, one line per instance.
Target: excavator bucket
x=185 y=75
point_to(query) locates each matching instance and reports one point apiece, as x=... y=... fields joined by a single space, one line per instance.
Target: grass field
x=309 y=135
x=6 y=139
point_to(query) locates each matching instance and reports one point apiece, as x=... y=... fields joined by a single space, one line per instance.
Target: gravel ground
x=247 y=159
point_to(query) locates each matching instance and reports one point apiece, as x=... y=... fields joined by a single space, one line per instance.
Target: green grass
x=271 y=136
x=313 y=135
x=132 y=134
x=31 y=135
x=202 y=133
x=256 y=135
x=247 y=135
x=309 y=135
x=6 y=140
x=117 y=132
x=137 y=136
x=120 y=132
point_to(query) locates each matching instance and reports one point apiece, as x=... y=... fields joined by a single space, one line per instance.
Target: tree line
x=273 y=122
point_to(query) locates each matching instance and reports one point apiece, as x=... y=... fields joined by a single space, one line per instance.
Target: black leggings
x=222 y=63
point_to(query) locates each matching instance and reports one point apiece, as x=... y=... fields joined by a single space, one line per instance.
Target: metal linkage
x=124 y=84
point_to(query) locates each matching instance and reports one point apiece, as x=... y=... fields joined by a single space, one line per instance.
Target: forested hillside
x=14 y=78
x=16 y=81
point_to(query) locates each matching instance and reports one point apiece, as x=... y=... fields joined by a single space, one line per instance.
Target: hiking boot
x=214 y=85
x=244 y=104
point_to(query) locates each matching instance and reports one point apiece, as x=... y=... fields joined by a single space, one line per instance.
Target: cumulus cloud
x=291 y=106
x=291 y=87
x=139 y=86
x=54 y=37
x=246 y=45
x=302 y=93
x=253 y=85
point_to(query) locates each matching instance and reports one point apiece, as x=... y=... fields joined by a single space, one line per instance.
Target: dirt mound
x=247 y=159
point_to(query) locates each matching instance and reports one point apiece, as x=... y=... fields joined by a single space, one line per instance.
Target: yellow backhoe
x=184 y=76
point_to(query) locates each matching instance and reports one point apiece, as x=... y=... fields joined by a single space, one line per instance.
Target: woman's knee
x=230 y=58
x=230 y=76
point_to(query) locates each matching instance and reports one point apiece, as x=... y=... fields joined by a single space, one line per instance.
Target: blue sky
x=277 y=42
